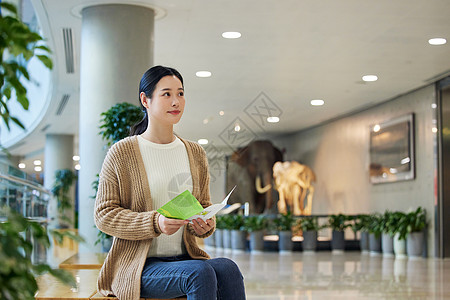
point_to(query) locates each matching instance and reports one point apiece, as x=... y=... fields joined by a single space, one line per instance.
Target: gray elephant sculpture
x=250 y=168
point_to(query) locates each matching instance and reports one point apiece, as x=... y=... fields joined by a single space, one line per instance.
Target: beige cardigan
x=123 y=209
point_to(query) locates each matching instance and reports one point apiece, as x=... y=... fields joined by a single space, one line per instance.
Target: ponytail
x=140 y=126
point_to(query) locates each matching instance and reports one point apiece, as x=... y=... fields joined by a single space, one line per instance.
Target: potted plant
x=218 y=233
x=417 y=221
x=283 y=224
x=399 y=229
x=226 y=234
x=310 y=228
x=375 y=230
x=388 y=224
x=115 y=124
x=238 y=233
x=361 y=225
x=256 y=225
x=64 y=180
x=338 y=223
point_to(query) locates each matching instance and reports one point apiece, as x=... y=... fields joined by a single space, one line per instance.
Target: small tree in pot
x=115 y=125
x=375 y=230
x=256 y=225
x=361 y=224
x=310 y=228
x=417 y=222
x=338 y=223
x=283 y=224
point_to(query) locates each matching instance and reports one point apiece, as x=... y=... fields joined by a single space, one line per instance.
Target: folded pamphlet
x=186 y=207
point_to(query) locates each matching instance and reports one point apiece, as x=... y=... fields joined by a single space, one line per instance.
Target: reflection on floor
x=349 y=275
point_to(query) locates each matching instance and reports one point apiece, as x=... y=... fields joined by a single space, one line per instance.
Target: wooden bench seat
x=51 y=288
x=84 y=261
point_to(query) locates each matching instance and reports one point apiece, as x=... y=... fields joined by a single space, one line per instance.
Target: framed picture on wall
x=392 y=150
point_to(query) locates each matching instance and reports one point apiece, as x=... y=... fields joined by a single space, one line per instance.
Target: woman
x=153 y=256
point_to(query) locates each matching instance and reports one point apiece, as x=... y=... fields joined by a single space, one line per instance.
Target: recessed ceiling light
x=376 y=128
x=203 y=74
x=203 y=141
x=38 y=169
x=317 y=102
x=205 y=121
x=22 y=166
x=231 y=35
x=433 y=105
x=221 y=112
x=273 y=119
x=237 y=127
x=37 y=162
x=434 y=130
x=370 y=78
x=76 y=158
x=77 y=167
x=437 y=41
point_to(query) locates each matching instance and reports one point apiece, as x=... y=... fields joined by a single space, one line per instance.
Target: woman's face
x=167 y=102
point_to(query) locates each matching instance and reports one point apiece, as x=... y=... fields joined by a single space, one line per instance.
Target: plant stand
x=285 y=241
x=257 y=241
x=364 y=242
x=414 y=244
x=238 y=240
x=387 y=245
x=309 y=240
x=338 y=241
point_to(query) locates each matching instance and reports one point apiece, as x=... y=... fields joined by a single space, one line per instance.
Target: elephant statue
x=250 y=168
x=293 y=182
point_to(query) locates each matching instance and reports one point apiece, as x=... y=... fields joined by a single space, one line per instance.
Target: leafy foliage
x=18 y=44
x=64 y=179
x=117 y=121
x=284 y=222
x=339 y=222
x=309 y=224
x=417 y=220
x=376 y=224
x=17 y=272
x=255 y=223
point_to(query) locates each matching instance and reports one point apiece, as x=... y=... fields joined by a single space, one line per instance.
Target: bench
x=84 y=261
x=51 y=288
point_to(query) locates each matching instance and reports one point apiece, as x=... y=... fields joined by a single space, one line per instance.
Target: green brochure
x=181 y=207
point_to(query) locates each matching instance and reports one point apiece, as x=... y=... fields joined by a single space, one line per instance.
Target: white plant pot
x=399 y=247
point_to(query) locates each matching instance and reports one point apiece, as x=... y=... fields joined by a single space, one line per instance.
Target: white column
x=116 y=49
x=58 y=155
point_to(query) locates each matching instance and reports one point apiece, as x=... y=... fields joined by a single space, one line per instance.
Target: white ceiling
x=293 y=51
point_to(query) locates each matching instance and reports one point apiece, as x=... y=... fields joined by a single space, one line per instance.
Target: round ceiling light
x=273 y=119
x=437 y=41
x=203 y=141
x=203 y=74
x=231 y=35
x=317 y=102
x=369 y=78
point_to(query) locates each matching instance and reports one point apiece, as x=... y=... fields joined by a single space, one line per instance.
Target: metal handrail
x=26 y=183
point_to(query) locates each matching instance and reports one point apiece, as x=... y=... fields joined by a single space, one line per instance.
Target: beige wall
x=338 y=152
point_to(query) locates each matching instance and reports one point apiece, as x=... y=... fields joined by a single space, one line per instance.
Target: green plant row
x=391 y=223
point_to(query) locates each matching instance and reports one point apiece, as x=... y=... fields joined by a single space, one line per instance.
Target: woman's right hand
x=170 y=226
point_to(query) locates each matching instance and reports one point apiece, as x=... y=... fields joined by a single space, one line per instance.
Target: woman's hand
x=201 y=227
x=170 y=226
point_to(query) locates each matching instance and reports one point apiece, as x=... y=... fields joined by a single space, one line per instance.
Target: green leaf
x=15 y=120
x=45 y=60
x=10 y=7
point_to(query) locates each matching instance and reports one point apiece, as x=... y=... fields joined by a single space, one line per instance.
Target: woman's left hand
x=201 y=227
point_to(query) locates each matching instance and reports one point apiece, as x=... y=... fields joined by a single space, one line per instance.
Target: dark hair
x=147 y=85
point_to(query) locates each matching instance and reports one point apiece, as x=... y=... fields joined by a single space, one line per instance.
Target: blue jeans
x=171 y=277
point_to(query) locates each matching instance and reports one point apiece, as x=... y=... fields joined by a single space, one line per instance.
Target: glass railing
x=28 y=199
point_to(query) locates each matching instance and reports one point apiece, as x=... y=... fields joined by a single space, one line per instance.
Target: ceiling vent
x=68 y=50
x=62 y=104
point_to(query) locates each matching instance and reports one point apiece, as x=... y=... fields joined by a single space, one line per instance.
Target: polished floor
x=348 y=275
